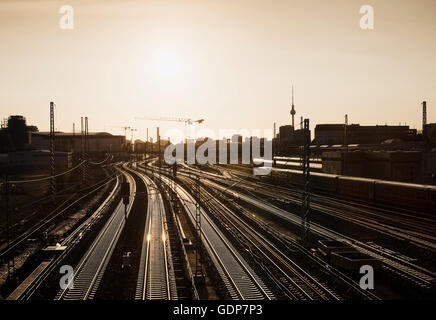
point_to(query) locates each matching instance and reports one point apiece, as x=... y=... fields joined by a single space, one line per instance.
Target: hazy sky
x=230 y=62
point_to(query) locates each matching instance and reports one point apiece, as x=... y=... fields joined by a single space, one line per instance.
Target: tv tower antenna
x=292 y=108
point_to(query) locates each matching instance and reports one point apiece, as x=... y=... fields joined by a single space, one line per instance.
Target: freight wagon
x=406 y=195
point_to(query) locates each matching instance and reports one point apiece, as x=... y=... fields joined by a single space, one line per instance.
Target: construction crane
x=125 y=129
x=189 y=122
x=186 y=121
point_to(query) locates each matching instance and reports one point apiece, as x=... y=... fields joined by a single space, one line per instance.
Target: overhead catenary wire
x=227 y=188
x=59 y=193
x=46 y=178
x=101 y=162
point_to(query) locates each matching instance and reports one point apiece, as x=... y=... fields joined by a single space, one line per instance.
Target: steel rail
x=416 y=272
x=70 y=242
x=402 y=266
x=89 y=271
x=241 y=281
x=317 y=289
x=155 y=277
x=20 y=239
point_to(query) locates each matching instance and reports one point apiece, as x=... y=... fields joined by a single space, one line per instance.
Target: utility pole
x=344 y=156
x=86 y=137
x=11 y=260
x=52 y=153
x=345 y=132
x=274 y=146
x=158 y=147
x=305 y=200
x=82 y=148
x=145 y=147
x=86 y=150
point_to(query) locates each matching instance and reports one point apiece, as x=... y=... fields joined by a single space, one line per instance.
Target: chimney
x=424 y=115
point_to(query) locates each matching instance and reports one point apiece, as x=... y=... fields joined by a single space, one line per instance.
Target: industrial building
x=288 y=135
x=15 y=134
x=70 y=142
x=338 y=134
x=33 y=161
x=404 y=166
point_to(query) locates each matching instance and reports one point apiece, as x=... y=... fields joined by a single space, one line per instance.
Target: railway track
x=418 y=228
x=48 y=220
x=399 y=265
x=240 y=280
x=30 y=285
x=407 y=268
x=90 y=269
x=156 y=279
x=298 y=283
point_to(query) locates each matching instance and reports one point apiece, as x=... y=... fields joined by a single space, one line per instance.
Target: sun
x=164 y=69
x=167 y=64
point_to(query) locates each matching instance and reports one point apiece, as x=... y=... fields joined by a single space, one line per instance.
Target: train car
x=353 y=261
x=414 y=196
x=360 y=188
x=323 y=182
x=327 y=247
x=433 y=200
x=344 y=256
x=407 y=195
x=291 y=176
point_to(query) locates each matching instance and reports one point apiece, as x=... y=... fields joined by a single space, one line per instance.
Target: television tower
x=292 y=109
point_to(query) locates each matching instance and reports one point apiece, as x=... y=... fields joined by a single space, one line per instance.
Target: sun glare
x=167 y=64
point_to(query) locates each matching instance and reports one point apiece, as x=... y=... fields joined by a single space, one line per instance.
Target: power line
x=49 y=177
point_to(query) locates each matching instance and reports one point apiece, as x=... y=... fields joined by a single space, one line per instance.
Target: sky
x=231 y=62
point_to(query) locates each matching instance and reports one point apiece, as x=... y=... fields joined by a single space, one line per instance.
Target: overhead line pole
x=145 y=147
x=158 y=147
x=52 y=153
x=86 y=149
x=11 y=260
x=82 y=148
x=198 y=266
x=305 y=201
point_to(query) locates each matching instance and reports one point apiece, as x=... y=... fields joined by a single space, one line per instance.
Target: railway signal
x=125 y=193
